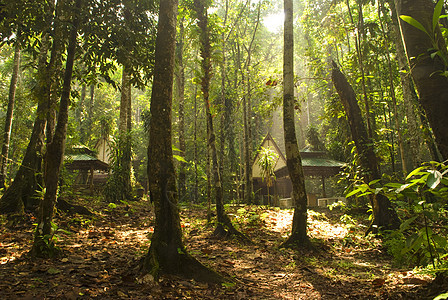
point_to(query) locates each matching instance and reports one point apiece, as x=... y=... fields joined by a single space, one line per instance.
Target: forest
x=224 y=149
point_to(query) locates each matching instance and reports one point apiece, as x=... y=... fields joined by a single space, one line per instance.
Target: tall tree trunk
x=55 y=67
x=86 y=133
x=224 y=225
x=42 y=246
x=247 y=102
x=427 y=71
x=180 y=88
x=298 y=235
x=384 y=215
x=393 y=96
x=359 y=37
x=9 y=113
x=167 y=254
x=28 y=179
x=125 y=139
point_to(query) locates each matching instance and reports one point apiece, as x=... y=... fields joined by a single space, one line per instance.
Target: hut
x=316 y=164
x=91 y=169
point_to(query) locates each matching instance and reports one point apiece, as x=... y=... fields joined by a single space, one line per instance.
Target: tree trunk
x=55 y=67
x=298 y=235
x=224 y=226
x=43 y=245
x=180 y=89
x=124 y=139
x=28 y=179
x=9 y=113
x=167 y=254
x=359 y=37
x=410 y=98
x=383 y=213
x=393 y=96
x=426 y=71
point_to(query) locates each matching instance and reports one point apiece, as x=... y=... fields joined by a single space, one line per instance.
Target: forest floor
x=100 y=256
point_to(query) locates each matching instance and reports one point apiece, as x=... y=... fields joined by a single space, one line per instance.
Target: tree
x=224 y=225
x=384 y=216
x=167 y=254
x=9 y=112
x=298 y=235
x=28 y=178
x=43 y=245
x=428 y=58
x=180 y=95
x=35 y=23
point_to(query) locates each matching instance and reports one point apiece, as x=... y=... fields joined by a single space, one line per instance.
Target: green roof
x=320 y=162
x=78 y=157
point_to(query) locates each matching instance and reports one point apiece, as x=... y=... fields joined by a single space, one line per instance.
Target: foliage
x=422 y=204
x=267 y=160
x=432 y=33
x=118 y=186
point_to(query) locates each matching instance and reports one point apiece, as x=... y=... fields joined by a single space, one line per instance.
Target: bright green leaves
x=267 y=161
x=436 y=15
x=414 y=22
x=435 y=19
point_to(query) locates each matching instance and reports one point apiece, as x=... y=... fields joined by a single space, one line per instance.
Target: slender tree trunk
x=384 y=215
x=224 y=225
x=55 y=150
x=55 y=68
x=359 y=37
x=180 y=88
x=9 y=113
x=86 y=134
x=393 y=96
x=28 y=179
x=125 y=139
x=167 y=254
x=427 y=71
x=224 y=122
x=298 y=235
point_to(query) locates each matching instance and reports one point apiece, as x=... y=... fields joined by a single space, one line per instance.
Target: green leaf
x=353 y=193
x=434 y=179
x=410 y=20
x=179 y=158
x=405 y=224
x=441 y=296
x=402 y=188
x=414 y=172
x=436 y=15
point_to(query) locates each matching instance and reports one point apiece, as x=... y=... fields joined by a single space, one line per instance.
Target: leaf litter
x=101 y=254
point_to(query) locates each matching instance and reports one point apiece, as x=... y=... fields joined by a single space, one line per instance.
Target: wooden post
x=91 y=180
x=324 y=193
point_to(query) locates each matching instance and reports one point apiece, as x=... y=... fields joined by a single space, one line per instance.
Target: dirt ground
x=101 y=254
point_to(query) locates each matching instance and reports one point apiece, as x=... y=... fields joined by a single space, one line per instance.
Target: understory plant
x=421 y=202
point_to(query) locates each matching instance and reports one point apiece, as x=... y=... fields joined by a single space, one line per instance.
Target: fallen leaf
x=53 y=271
x=414 y=280
x=378 y=282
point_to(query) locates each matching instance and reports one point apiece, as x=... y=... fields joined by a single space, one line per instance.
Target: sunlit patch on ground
x=100 y=257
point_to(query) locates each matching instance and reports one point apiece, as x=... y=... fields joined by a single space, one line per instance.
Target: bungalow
x=315 y=164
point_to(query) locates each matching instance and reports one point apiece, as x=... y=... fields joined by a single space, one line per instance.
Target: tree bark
x=167 y=254
x=384 y=215
x=180 y=89
x=42 y=246
x=9 y=113
x=298 y=235
x=427 y=72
